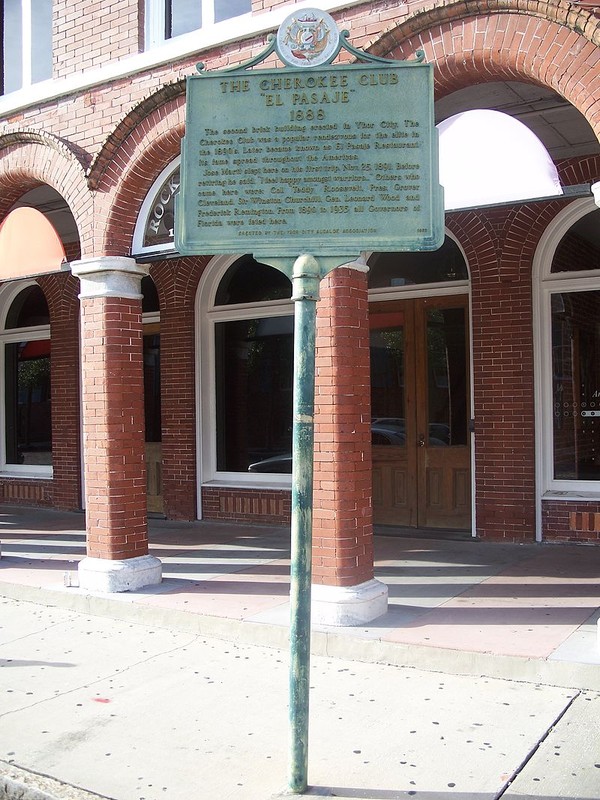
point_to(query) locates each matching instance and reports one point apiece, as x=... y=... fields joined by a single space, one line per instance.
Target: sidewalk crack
x=536 y=747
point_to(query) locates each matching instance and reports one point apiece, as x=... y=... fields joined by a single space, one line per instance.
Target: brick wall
x=89 y=33
x=571 y=521
x=176 y=282
x=260 y=506
x=62 y=293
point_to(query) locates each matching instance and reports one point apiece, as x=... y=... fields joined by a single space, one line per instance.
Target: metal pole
x=305 y=295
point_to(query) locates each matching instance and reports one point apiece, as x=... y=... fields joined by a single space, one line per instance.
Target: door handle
x=421 y=441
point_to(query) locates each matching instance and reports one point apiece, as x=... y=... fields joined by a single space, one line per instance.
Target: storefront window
x=569 y=438
x=254 y=365
x=253 y=335
x=27 y=399
x=576 y=385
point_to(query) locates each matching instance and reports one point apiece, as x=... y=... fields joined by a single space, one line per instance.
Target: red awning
x=35 y=349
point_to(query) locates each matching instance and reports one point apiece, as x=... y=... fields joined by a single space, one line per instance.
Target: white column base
x=349 y=605
x=105 y=575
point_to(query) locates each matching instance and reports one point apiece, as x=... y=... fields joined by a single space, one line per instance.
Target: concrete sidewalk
x=131 y=711
x=460 y=606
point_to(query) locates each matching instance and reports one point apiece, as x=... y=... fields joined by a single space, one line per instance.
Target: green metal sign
x=331 y=160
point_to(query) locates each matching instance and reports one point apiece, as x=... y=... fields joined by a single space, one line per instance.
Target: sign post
x=305 y=293
x=305 y=167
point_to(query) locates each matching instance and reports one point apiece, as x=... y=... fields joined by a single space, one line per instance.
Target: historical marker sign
x=327 y=160
x=305 y=167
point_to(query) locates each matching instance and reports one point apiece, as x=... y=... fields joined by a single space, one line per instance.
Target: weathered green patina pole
x=305 y=295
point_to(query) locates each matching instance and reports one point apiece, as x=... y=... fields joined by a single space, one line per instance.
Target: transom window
x=166 y=19
x=26 y=43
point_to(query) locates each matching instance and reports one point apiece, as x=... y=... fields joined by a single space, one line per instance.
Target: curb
x=329 y=642
x=20 y=784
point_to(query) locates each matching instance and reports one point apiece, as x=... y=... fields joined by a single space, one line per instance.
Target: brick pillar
x=344 y=591
x=113 y=427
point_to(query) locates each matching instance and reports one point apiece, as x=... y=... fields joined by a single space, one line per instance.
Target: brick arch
x=61 y=291
x=30 y=159
x=551 y=44
x=477 y=239
x=579 y=170
x=177 y=280
x=133 y=167
x=128 y=125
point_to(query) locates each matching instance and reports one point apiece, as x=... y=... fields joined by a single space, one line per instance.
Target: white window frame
x=27 y=53
x=155 y=20
x=8 y=294
x=207 y=315
x=545 y=284
x=137 y=246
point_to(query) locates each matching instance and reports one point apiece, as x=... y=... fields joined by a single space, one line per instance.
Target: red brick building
x=455 y=390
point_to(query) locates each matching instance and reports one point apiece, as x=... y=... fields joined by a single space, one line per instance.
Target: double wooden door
x=420 y=413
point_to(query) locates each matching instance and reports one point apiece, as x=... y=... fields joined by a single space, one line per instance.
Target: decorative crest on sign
x=309 y=38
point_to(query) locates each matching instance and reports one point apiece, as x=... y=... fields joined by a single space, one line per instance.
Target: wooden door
x=420 y=413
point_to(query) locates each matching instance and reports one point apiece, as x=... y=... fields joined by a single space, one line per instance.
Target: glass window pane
x=28 y=420
x=254 y=372
x=579 y=249
x=247 y=281
x=388 y=397
x=161 y=219
x=407 y=269
x=41 y=40
x=29 y=308
x=576 y=385
x=12 y=46
x=182 y=16
x=446 y=371
x=152 y=406
x=226 y=9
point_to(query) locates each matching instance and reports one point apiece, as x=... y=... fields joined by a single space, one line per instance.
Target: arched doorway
x=420 y=396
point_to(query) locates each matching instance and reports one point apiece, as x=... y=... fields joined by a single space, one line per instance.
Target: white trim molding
x=110 y=276
x=126 y=575
x=545 y=284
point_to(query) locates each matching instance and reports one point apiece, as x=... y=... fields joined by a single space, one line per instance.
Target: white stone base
x=105 y=575
x=348 y=605
x=599 y=635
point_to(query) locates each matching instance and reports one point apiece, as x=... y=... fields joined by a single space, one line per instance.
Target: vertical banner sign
x=305 y=167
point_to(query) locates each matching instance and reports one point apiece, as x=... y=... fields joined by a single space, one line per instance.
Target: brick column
x=113 y=427
x=344 y=589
